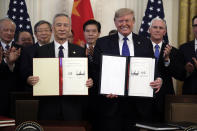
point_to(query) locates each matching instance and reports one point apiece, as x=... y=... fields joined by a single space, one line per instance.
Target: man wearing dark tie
x=71 y=108
x=116 y=113
x=168 y=64
x=10 y=52
x=189 y=51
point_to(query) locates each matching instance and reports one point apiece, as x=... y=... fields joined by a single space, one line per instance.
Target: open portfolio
x=60 y=76
x=130 y=76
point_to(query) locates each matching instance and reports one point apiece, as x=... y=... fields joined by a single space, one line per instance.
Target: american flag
x=154 y=9
x=18 y=13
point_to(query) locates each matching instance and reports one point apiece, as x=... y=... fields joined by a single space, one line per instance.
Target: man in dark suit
x=168 y=64
x=9 y=79
x=43 y=32
x=189 y=50
x=61 y=107
x=115 y=113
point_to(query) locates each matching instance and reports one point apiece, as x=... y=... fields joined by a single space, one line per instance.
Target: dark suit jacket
x=26 y=59
x=190 y=82
x=61 y=107
x=175 y=69
x=166 y=73
x=111 y=111
x=10 y=81
x=109 y=45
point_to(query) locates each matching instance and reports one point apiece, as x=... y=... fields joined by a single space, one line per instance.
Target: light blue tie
x=125 y=48
x=157 y=52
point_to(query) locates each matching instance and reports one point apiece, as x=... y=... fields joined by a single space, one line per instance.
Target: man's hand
x=189 y=67
x=167 y=52
x=111 y=96
x=12 y=55
x=89 y=83
x=156 y=84
x=32 y=80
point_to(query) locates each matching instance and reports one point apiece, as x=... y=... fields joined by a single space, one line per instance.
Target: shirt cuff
x=167 y=63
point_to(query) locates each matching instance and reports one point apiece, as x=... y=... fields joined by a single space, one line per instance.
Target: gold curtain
x=187 y=10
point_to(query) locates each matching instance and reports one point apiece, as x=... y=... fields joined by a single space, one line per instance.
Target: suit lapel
x=115 y=44
x=51 y=49
x=136 y=44
x=162 y=49
x=71 y=51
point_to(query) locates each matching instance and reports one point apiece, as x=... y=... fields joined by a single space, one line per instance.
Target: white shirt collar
x=4 y=44
x=160 y=44
x=65 y=44
x=130 y=36
x=87 y=45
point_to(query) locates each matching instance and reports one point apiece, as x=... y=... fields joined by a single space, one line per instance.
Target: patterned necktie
x=125 y=48
x=90 y=51
x=157 y=52
x=7 y=47
x=61 y=54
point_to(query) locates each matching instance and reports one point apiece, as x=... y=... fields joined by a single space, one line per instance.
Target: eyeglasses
x=44 y=30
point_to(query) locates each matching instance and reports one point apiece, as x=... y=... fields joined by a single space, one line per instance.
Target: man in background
x=91 y=30
x=10 y=52
x=189 y=51
x=168 y=64
x=43 y=32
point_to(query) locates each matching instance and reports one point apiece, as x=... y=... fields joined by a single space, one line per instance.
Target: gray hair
x=155 y=19
x=6 y=19
x=60 y=14
x=40 y=23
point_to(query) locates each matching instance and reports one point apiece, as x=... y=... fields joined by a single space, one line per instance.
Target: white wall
x=103 y=11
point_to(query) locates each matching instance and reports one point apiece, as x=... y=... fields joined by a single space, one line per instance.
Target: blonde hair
x=122 y=12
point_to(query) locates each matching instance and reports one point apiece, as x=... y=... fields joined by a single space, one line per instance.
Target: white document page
x=141 y=73
x=113 y=75
x=48 y=71
x=75 y=75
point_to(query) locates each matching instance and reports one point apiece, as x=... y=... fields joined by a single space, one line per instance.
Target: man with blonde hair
x=115 y=113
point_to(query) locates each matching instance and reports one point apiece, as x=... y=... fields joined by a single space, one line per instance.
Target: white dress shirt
x=129 y=42
x=65 y=50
